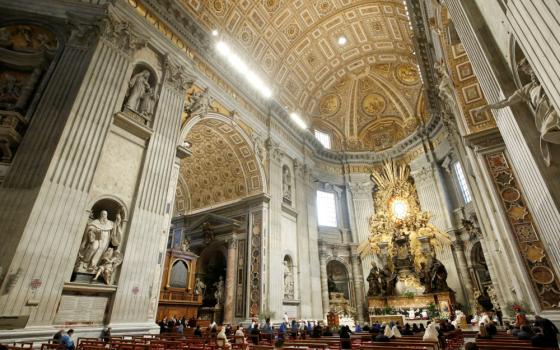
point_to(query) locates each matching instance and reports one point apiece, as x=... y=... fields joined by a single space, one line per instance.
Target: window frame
x=325 y=134
x=462 y=184
x=334 y=209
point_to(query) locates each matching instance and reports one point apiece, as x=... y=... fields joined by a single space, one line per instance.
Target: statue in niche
x=373 y=281
x=287 y=184
x=219 y=293
x=137 y=88
x=546 y=117
x=446 y=88
x=147 y=103
x=332 y=285
x=288 y=281
x=185 y=245
x=109 y=262
x=199 y=287
x=198 y=103
x=98 y=235
x=207 y=232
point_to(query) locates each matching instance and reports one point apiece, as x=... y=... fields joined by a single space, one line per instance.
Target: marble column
x=324 y=281
x=44 y=199
x=229 y=304
x=360 y=206
x=358 y=283
x=458 y=247
x=516 y=123
x=274 y=288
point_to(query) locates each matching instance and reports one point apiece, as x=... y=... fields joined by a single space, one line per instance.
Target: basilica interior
x=231 y=162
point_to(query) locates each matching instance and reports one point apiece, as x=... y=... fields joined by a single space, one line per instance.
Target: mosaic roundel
x=323 y=6
x=292 y=31
x=542 y=275
x=219 y=7
x=271 y=5
x=407 y=74
x=373 y=104
x=510 y=194
x=330 y=104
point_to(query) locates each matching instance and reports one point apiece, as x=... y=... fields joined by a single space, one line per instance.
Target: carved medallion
x=517 y=213
x=510 y=194
x=219 y=7
x=542 y=275
x=504 y=178
x=407 y=74
x=271 y=5
x=373 y=104
x=330 y=104
x=534 y=253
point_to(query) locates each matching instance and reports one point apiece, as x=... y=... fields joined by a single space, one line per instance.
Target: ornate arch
x=223 y=166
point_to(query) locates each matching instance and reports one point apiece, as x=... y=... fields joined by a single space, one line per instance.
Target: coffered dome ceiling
x=365 y=93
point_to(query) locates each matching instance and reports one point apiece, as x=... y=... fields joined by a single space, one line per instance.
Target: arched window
x=179 y=275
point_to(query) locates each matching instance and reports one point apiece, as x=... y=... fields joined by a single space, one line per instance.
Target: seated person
x=483 y=332
x=407 y=330
x=67 y=341
x=431 y=333
x=526 y=333
x=357 y=328
x=345 y=341
x=515 y=330
x=381 y=338
x=198 y=332
x=328 y=332
x=396 y=332
x=492 y=329
x=415 y=328
x=388 y=332
x=366 y=328
x=317 y=331
x=255 y=333
x=471 y=346
x=222 y=340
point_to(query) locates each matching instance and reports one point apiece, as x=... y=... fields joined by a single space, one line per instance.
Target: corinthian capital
x=176 y=75
x=121 y=35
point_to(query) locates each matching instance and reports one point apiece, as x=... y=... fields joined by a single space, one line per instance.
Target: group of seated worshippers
x=542 y=332
x=175 y=325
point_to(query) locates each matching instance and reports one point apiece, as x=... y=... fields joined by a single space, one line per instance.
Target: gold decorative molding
x=539 y=267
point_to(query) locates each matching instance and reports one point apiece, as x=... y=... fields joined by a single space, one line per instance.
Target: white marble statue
x=288 y=282
x=99 y=233
x=446 y=88
x=199 y=103
x=147 y=103
x=546 y=117
x=137 y=87
x=199 y=287
x=219 y=293
x=287 y=183
x=109 y=262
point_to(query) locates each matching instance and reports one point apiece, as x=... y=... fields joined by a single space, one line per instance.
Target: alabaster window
x=324 y=138
x=326 y=209
x=462 y=182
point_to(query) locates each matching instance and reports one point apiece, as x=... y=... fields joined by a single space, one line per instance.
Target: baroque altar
x=405 y=275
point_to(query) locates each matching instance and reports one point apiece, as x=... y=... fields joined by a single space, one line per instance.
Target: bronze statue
x=373 y=281
x=438 y=277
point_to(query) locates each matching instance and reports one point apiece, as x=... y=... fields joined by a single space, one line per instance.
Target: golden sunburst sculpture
x=398 y=213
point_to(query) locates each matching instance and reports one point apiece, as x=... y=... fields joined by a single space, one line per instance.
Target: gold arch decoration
x=374 y=110
x=223 y=167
